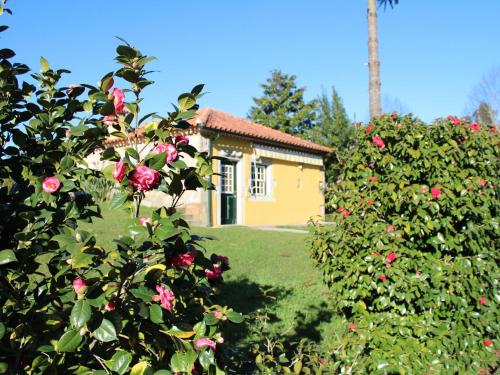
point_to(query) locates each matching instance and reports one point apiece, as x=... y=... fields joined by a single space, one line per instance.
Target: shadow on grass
x=253 y=299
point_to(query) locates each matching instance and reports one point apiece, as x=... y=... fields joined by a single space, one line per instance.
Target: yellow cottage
x=267 y=178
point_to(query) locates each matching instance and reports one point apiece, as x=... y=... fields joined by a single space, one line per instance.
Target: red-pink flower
x=219 y=315
x=214 y=274
x=482 y=182
x=144 y=178
x=391 y=257
x=110 y=306
x=181 y=139
x=169 y=150
x=474 y=127
x=370 y=202
x=368 y=129
x=372 y=179
x=203 y=342
x=79 y=285
x=382 y=278
x=379 y=142
x=391 y=228
x=70 y=89
x=493 y=129
x=118 y=100
x=167 y=297
x=50 y=184
x=454 y=120
x=435 y=192
x=110 y=120
x=482 y=300
x=488 y=342
x=145 y=220
x=222 y=260
x=344 y=211
x=352 y=326
x=183 y=260
x=119 y=171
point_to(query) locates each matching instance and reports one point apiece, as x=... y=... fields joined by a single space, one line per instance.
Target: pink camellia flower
x=391 y=228
x=219 y=315
x=50 y=184
x=344 y=211
x=418 y=273
x=372 y=179
x=435 y=192
x=110 y=306
x=368 y=128
x=370 y=202
x=391 y=257
x=222 y=259
x=119 y=171
x=79 y=285
x=166 y=297
x=382 y=278
x=70 y=89
x=118 y=100
x=474 y=127
x=482 y=300
x=352 y=326
x=181 y=139
x=482 y=182
x=379 y=142
x=183 y=260
x=144 y=178
x=454 y=120
x=110 y=120
x=203 y=342
x=169 y=150
x=145 y=220
x=493 y=129
x=214 y=274
x=488 y=342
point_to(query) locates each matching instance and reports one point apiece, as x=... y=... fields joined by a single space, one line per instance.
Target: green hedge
x=412 y=254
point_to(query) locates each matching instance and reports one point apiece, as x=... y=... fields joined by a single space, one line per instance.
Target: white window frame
x=266 y=179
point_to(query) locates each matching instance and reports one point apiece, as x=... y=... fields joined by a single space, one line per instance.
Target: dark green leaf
x=156 y=314
x=118 y=200
x=106 y=331
x=7 y=256
x=120 y=362
x=80 y=314
x=69 y=341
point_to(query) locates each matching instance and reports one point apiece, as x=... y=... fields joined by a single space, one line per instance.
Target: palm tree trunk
x=373 y=61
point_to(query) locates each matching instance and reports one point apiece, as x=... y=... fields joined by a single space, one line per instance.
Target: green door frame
x=228 y=200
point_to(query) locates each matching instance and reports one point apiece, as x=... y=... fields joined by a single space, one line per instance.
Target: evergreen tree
x=333 y=129
x=282 y=105
x=485 y=114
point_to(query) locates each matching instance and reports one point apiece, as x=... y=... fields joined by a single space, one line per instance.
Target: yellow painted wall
x=295 y=196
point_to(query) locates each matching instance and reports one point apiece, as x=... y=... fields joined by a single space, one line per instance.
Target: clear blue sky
x=432 y=52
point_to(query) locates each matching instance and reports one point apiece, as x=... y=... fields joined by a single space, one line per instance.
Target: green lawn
x=268 y=270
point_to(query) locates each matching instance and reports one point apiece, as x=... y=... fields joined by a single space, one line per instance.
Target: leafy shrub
x=412 y=255
x=67 y=304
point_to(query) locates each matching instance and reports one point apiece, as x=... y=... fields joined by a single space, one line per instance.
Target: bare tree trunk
x=373 y=61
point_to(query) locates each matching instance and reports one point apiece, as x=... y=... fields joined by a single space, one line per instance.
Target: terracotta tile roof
x=225 y=122
x=216 y=120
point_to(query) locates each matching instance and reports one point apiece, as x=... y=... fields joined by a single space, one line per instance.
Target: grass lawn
x=269 y=269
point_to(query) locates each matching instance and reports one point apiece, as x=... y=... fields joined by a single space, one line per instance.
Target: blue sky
x=432 y=52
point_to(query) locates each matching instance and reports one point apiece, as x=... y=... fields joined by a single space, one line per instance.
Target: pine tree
x=282 y=105
x=333 y=129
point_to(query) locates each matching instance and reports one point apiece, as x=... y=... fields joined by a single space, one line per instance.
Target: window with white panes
x=227 y=179
x=259 y=180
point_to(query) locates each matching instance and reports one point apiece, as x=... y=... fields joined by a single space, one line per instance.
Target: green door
x=228 y=193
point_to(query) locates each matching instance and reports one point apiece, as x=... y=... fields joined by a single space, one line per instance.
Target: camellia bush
x=412 y=253
x=68 y=305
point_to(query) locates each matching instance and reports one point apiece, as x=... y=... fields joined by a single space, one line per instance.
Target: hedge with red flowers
x=68 y=305
x=412 y=254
